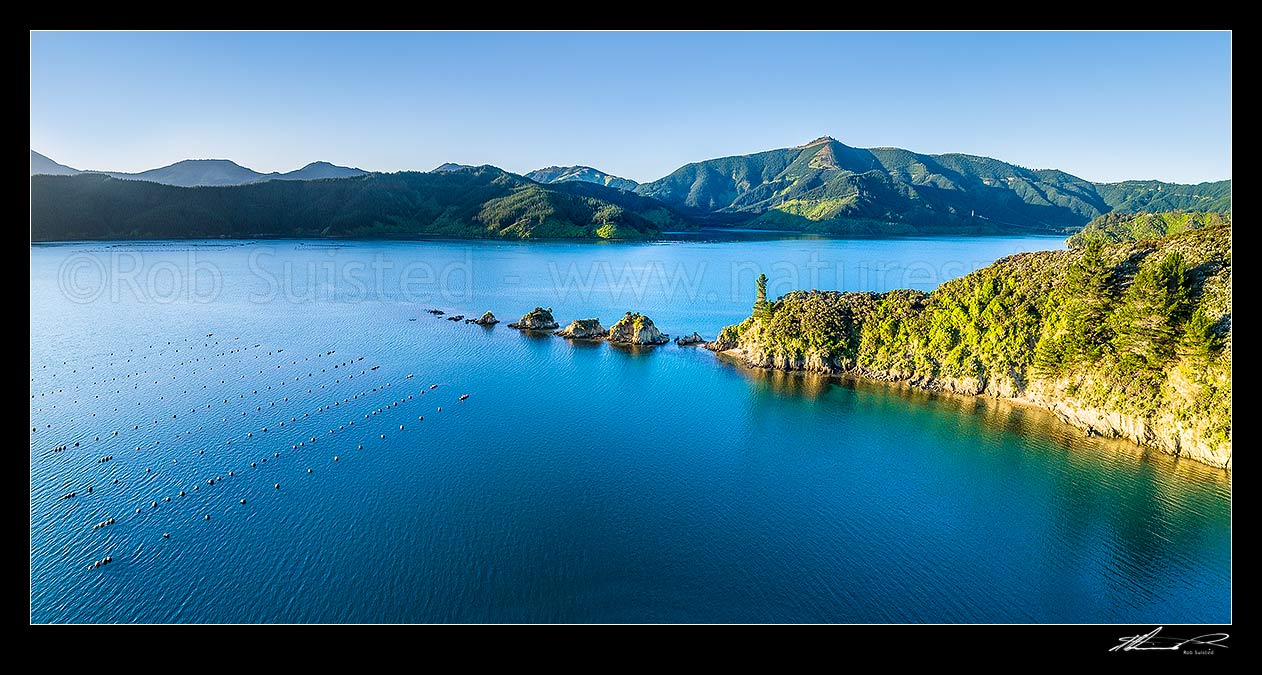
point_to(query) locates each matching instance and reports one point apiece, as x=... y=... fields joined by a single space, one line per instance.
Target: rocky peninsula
x=1129 y=339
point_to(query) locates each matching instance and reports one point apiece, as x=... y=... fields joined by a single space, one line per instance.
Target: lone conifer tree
x=761 y=310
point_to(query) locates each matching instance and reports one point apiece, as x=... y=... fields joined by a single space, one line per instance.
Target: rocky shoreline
x=1128 y=340
x=1163 y=433
x=632 y=329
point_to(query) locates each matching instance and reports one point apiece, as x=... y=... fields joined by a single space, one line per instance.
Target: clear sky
x=1103 y=106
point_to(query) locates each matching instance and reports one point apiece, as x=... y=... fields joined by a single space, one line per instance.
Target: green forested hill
x=1130 y=339
x=827 y=186
x=1136 y=196
x=1114 y=227
x=823 y=186
x=483 y=202
x=586 y=174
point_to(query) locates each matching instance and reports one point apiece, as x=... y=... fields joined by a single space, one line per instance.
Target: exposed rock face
x=1181 y=437
x=539 y=318
x=694 y=339
x=754 y=355
x=583 y=329
x=637 y=329
x=487 y=319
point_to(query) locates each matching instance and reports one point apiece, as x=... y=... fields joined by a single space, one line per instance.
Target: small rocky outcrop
x=487 y=319
x=583 y=329
x=637 y=329
x=694 y=339
x=539 y=318
x=456 y=317
x=435 y=312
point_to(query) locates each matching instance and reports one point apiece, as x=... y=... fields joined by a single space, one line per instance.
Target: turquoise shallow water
x=578 y=482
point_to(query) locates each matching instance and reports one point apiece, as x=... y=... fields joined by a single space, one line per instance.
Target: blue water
x=578 y=482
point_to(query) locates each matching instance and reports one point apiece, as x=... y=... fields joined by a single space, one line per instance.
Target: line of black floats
x=212 y=481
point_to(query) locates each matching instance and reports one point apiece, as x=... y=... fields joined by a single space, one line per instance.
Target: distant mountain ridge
x=451 y=166
x=203 y=172
x=828 y=186
x=823 y=186
x=586 y=174
x=43 y=165
x=484 y=202
x=193 y=173
x=318 y=171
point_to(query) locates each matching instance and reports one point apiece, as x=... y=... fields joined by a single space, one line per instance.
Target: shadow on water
x=1015 y=418
x=779 y=382
x=1144 y=510
x=638 y=351
x=583 y=344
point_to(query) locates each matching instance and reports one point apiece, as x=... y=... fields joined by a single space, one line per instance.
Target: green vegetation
x=1138 y=196
x=558 y=174
x=635 y=328
x=631 y=323
x=539 y=318
x=481 y=202
x=1113 y=227
x=823 y=187
x=828 y=187
x=761 y=313
x=1142 y=329
x=1151 y=314
x=1080 y=332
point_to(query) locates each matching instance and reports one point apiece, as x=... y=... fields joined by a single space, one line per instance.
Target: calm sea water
x=578 y=482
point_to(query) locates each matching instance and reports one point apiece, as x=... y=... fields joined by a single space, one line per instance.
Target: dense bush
x=1137 y=327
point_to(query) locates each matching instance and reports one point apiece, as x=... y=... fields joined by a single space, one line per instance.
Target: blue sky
x=1103 y=106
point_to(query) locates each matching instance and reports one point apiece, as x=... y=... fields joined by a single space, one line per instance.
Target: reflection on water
x=1146 y=512
x=1011 y=416
x=787 y=383
x=583 y=344
x=634 y=350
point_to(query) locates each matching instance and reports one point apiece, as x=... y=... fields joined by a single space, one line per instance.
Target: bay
x=578 y=482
